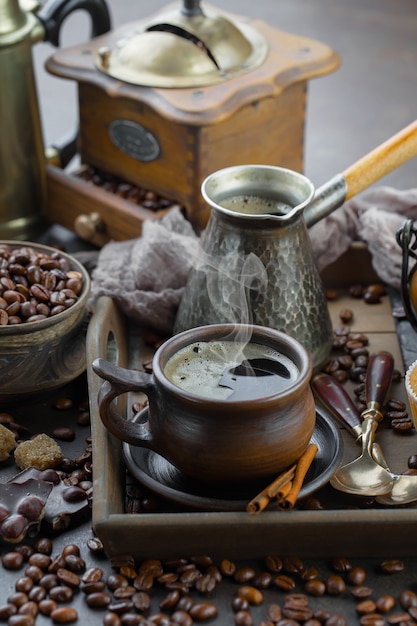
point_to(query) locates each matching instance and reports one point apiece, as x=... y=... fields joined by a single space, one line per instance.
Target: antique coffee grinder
x=166 y=101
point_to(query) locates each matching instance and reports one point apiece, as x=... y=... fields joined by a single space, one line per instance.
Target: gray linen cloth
x=146 y=276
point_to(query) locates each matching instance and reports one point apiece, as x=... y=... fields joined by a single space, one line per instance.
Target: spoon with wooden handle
x=364 y=476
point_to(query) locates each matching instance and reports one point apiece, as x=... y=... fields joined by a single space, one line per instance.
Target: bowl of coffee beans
x=43 y=319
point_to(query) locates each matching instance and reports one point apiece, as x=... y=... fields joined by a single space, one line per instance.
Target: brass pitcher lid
x=184 y=48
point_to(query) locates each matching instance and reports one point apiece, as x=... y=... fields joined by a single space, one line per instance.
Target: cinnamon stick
x=261 y=501
x=288 y=501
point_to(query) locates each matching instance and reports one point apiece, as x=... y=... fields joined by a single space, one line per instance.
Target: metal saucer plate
x=164 y=479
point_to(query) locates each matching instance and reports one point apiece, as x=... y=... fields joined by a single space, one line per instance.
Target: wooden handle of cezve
x=378 y=377
x=381 y=161
x=337 y=400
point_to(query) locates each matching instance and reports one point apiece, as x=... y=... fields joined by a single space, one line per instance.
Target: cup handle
x=119 y=380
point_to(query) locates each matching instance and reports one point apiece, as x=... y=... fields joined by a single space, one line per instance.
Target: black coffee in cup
x=230 y=370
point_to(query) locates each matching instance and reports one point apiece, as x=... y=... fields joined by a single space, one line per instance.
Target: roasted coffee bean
x=285 y=583
x=63 y=433
x=43 y=561
x=24 y=584
x=366 y=606
x=95 y=545
x=120 y=606
x=402 y=426
x=239 y=603
x=12 y=560
x=48 y=581
x=392 y=566
x=44 y=545
x=356 y=576
x=64 y=615
x=67 y=577
x=100 y=600
x=117 y=580
x=273 y=564
x=407 y=599
x=356 y=291
x=18 y=598
x=361 y=591
x=341 y=565
x=394 y=404
x=335 y=585
x=345 y=361
x=94 y=587
x=182 y=618
x=36 y=594
x=244 y=575
x=111 y=619
x=243 y=618
x=74 y=494
x=141 y=601
x=384 y=604
x=203 y=610
x=341 y=376
x=274 y=612
x=293 y=564
x=253 y=595
x=170 y=600
x=262 y=580
x=62 y=593
x=75 y=563
x=315 y=587
x=34 y=572
x=47 y=606
x=346 y=315
x=206 y=583
x=298 y=613
x=6 y=611
x=29 y=608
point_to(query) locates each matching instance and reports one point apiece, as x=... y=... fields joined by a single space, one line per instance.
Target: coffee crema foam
x=256 y=205
x=224 y=369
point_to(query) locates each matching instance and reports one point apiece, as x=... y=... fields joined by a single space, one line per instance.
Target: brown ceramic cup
x=261 y=424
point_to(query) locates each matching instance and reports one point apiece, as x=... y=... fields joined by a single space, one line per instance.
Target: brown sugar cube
x=42 y=452
x=7 y=442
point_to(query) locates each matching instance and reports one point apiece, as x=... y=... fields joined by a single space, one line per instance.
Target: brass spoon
x=336 y=399
x=364 y=476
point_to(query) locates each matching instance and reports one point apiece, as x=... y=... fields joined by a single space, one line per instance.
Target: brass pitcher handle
x=407 y=239
x=52 y=15
x=54 y=12
x=119 y=380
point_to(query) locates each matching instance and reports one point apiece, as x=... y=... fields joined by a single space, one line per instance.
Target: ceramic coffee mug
x=228 y=403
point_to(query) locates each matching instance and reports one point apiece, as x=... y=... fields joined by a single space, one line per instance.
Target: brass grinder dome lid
x=184 y=48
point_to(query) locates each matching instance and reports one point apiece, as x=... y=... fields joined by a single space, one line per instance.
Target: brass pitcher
x=22 y=154
x=256 y=263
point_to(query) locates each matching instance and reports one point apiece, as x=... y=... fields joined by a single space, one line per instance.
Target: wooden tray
x=310 y=533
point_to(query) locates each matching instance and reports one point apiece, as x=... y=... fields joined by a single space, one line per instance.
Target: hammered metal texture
x=260 y=272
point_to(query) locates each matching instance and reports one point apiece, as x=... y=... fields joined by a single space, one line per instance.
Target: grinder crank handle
x=336 y=399
x=378 y=379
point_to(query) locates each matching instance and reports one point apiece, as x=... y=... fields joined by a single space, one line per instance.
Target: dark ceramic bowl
x=40 y=356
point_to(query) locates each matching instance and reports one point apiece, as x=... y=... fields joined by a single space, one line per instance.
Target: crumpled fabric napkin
x=146 y=276
x=374 y=217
